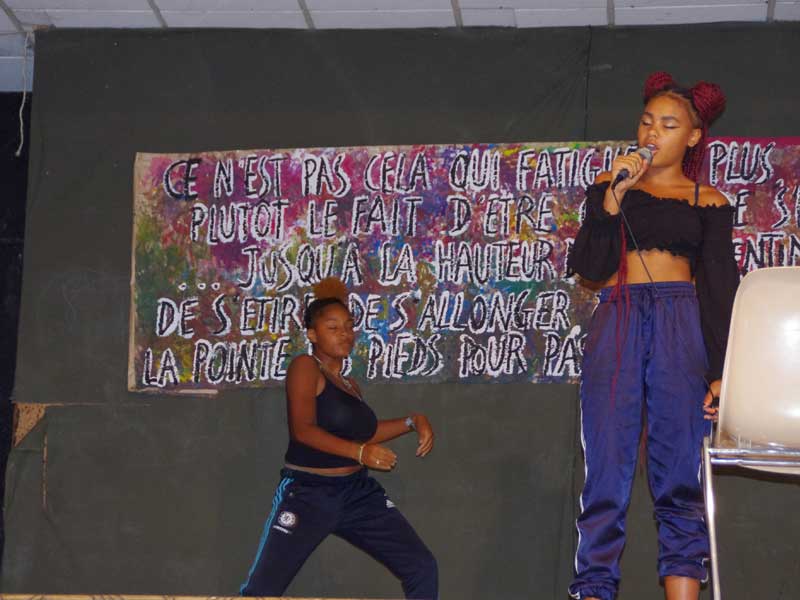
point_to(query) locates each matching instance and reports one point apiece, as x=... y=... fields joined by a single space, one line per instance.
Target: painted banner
x=454 y=255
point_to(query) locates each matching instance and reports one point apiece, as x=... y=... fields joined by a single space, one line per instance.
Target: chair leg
x=716 y=593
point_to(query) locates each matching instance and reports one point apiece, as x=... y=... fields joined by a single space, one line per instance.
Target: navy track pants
x=308 y=507
x=660 y=375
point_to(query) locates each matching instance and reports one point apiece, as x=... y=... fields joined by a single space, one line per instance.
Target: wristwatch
x=410 y=423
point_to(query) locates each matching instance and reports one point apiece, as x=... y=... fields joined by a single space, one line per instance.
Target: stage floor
x=139 y=597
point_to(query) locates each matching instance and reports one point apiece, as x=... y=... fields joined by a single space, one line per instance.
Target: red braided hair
x=705 y=101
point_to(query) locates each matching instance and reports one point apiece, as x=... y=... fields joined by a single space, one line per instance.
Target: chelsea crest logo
x=287 y=519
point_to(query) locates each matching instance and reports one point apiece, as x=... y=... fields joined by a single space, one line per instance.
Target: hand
x=424 y=434
x=636 y=166
x=709 y=407
x=378 y=457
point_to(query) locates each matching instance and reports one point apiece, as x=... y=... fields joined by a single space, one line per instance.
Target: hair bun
x=331 y=287
x=708 y=100
x=657 y=82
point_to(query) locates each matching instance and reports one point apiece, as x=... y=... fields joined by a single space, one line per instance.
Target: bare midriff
x=332 y=472
x=661 y=264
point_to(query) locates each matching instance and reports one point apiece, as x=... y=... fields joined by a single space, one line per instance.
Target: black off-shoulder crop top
x=703 y=234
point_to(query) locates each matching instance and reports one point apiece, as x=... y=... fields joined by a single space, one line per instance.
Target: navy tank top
x=341 y=414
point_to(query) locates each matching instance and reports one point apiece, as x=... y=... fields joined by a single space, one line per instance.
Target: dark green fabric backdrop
x=153 y=494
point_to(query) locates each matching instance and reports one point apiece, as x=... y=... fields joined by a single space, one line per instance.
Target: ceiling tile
x=787 y=11
x=382 y=19
x=534 y=4
x=11 y=78
x=334 y=5
x=31 y=18
x=488 y=17
x=227 y=5
x=98 y=18
x=561 y=17
x=12 y=45
x=694 y=3
x=79 y=4
x=244 y=19
x=665 y=15
x=6 y=24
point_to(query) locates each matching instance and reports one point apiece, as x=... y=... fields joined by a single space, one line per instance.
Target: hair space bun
x=708 y=100
x=657 y=82
x=331 y=287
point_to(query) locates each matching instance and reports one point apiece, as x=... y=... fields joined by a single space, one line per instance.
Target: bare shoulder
x=303 y=377
x=710 y=196
x=302 y=366
x=603 y=177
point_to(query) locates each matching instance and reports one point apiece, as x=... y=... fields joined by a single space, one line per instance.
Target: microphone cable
x=654 y=288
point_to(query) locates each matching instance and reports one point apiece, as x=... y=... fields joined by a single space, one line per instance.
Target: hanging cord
x=623 y=312
x=18 y=153
x=651 y=281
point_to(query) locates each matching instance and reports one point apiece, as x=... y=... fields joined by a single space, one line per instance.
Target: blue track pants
x=308 y=507
x=660 y=375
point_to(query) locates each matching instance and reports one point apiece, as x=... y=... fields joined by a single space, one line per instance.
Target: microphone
x=645 y=153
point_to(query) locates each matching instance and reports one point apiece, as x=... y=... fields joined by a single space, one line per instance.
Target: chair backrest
x=760 y=398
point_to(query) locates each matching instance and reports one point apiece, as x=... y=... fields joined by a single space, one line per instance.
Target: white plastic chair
x=759 y=409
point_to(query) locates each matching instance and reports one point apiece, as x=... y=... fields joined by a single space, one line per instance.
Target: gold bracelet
x=360 y=452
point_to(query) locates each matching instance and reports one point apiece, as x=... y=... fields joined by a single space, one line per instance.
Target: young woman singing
x=660 y=243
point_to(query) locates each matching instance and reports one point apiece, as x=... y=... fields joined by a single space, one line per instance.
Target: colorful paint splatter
x=454 y=255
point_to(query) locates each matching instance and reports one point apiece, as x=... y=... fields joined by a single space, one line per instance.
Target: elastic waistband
x=659 y=289
x=335 y=480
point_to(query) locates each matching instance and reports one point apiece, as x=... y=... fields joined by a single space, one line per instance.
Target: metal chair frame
x=764 y=458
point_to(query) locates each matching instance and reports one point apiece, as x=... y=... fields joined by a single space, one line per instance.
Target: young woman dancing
x=656 y=342
x=325 y=488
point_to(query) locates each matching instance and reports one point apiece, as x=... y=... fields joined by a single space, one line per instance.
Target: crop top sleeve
x=716 y=280
x=595 y=252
